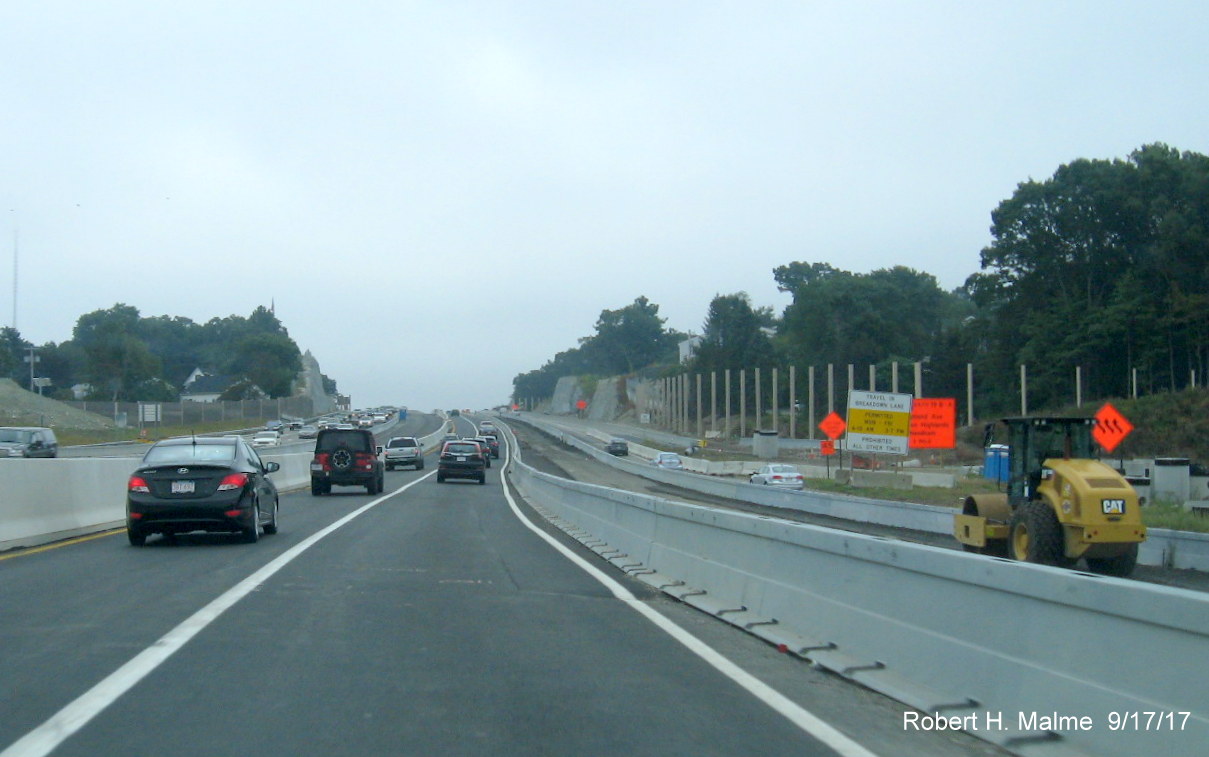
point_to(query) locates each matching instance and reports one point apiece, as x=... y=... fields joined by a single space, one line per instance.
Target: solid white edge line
x=46 y=737
x=807 y=721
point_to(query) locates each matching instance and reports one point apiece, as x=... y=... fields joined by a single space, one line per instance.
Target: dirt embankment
x=20 y=407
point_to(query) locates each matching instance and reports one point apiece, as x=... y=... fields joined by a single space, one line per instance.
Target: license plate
x=1113 y=506
x=316 y=466
x=183 y=487
x=461 y=458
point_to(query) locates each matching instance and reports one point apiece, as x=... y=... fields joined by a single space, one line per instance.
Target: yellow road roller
x=1061 y=504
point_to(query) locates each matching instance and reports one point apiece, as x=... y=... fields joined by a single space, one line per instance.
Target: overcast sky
x=438 y=196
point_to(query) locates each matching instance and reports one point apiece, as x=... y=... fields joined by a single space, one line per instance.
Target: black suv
x=464 y=458
x=346 y=457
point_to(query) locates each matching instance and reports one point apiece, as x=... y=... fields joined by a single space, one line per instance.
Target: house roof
x=209 y=385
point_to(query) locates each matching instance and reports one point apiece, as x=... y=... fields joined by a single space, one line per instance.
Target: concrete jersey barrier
x=995 y=643
x=1183 y=550
x=48 y=500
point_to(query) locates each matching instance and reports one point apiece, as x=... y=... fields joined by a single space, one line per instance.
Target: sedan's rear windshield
x=190 y=453
x=462 y=449
x=393 y=443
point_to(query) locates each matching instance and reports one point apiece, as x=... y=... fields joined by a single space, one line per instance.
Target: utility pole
x=16 y=249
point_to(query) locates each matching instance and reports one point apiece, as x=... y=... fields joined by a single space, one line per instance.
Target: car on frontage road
x=668 y=460
x=779 y=475
x=266 y=439
x=618 y=447
x=28 y=441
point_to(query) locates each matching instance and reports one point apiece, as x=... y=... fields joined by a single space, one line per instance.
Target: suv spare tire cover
x=341 y=458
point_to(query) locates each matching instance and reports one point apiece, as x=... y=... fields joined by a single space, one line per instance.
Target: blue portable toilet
x=995 y=464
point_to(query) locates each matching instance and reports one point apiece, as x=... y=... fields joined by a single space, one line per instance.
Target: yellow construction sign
x=879 y=422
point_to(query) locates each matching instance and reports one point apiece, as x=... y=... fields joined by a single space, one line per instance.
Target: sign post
x=833 y=425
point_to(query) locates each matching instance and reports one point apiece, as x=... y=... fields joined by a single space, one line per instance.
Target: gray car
x=28 y=441
x=668 y=460
x=403 y=450
x=779 y=475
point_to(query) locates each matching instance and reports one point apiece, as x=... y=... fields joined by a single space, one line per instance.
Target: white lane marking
x=43 y=739
x=799 y=716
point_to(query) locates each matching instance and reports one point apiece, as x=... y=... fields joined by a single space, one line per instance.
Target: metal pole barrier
x=793 y=403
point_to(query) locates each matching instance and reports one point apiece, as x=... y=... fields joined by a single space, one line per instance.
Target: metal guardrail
x=1007 y=648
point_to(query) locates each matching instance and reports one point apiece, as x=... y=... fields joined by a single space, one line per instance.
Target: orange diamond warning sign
x=833 y=426
x=1111 y=427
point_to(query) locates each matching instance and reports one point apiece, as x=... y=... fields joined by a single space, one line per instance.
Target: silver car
x=266 y=439
x=779 y=475
x=28 y=441
x=403 y=450
x=668 y=460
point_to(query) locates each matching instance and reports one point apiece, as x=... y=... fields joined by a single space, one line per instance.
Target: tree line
x=1103 y=266
x=118 y=354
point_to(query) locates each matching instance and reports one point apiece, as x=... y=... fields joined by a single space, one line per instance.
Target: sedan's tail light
x=138 y=484
x=233 y=481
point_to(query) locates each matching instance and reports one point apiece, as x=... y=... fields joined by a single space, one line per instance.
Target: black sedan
x=201 y=484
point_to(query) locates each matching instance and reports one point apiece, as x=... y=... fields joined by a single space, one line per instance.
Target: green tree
x=271 y=361
x=62 y=364
x=841 y=317
x=177 y=342
x=734 y=335
x=13 y=349
x=1105 y=265
x=627 y=340
x=117 y=360
x=630 y=338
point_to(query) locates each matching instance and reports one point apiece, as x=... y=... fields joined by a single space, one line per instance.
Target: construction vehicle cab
x=1061 y=504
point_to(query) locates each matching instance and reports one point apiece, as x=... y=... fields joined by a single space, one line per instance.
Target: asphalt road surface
x=430 y=620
